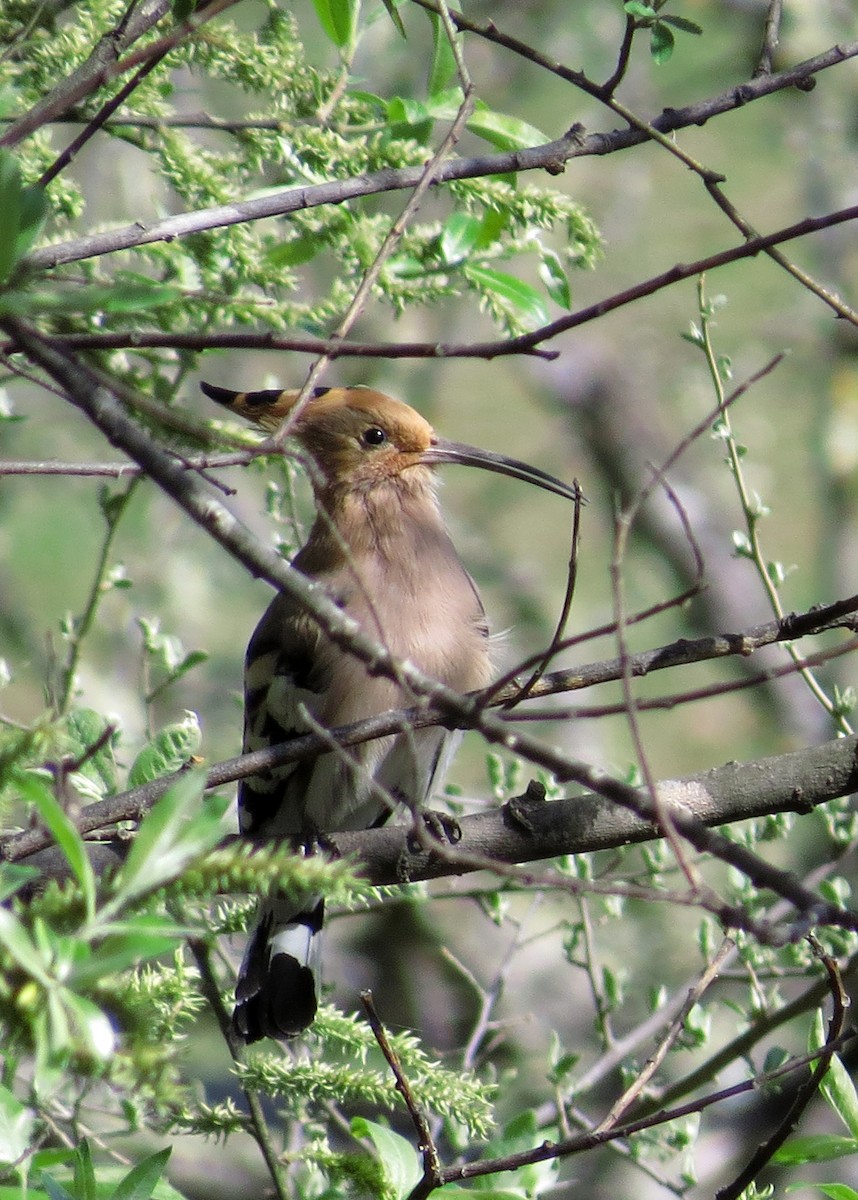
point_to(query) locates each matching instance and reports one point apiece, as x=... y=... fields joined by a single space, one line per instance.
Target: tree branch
x=526 y=343
x=529 y=829
x=551 y=157
x=132 y=804
x=90 y=75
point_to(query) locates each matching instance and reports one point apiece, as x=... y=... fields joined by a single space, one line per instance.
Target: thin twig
x=556 y=642
x=580 y=1143
x=771 y=37
x=120 y=470
x=92 y=127
x=261 y=1133
x=82 y=624
x=425 y=1142
x=628 y=1098
x=806 y=1091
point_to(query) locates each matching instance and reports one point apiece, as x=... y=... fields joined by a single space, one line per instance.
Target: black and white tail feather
x=278 y=987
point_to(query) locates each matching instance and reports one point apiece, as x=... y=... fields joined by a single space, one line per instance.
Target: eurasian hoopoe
x=380 y=547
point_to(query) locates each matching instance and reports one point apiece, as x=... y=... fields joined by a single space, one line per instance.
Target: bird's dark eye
x=373 y=436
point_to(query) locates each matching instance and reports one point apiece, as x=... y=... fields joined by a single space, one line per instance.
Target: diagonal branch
x=530 y=829
x=90 y=75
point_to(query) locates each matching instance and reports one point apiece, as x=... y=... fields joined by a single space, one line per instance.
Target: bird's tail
x=278 y=984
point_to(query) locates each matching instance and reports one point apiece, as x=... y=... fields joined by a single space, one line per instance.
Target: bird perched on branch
x=380 y=548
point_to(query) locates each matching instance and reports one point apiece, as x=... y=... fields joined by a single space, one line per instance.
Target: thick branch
x=132 y=804
x=531 y=829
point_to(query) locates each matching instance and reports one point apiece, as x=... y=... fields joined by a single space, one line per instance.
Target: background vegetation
x=613 y=239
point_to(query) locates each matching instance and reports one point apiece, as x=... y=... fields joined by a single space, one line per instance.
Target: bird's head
x=360 y=438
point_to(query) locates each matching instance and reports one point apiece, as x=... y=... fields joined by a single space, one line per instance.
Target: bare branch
x=119 y=470
x=530 y=829
x=131 y=805
x=426 y=1144
x=551 y=157
x=771 y=36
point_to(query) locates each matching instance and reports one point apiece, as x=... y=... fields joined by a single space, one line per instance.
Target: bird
x=380 y=547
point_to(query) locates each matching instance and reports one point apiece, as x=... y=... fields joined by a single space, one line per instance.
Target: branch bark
x=532 y=829
x=132 y=804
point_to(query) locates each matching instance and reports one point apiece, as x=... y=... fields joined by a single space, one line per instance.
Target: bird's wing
x=296 y=681
x=283 y=674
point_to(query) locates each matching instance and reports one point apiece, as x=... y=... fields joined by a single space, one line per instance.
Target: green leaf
x=296 y=251
x=457 y=1193
x=126 y=297
x=554 y=277
x=644 y=11
x=459 y=236
x=445 y=105
x=55 y=1190
x=836 y=1191
x=53 y=1156
x=837 y=1086
x=63 y=831
x=22 y=948
x=16 y=1127
x=442 y=68
x=33 y=208
x=661 y=43
x=140 y=1181
x=84 y=1174
x=169 y=750
x=492 y=226
x=86 y=728
x=399 y=1160
x=402 y=111
x=682 y=23
x=129 y=943
x=525 y=300
x=339 y=20
x=178 y=829
x=90 y=298
x=815 y=1148
x=13 y=876
x=10 y=207
x=393 y=13
x=505 y=132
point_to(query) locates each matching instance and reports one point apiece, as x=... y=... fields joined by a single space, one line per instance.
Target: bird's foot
x=313 y=842
x=434 y=825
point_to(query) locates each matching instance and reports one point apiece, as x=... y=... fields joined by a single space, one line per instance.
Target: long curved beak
x=442 y=451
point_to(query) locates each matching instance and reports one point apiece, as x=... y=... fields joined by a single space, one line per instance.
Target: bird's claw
x=313 y=842
x=440 y=826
